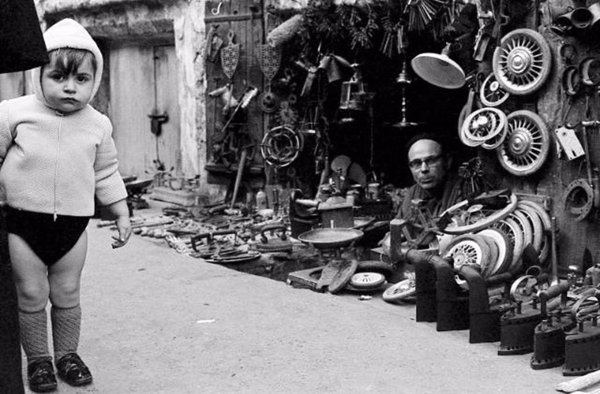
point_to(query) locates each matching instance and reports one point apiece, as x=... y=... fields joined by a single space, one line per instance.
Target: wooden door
x=143 y=80
x=242 y=19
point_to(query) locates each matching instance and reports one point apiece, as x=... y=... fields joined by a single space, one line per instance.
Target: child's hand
x=124 y=228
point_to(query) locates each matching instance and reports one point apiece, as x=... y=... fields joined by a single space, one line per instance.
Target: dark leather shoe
x=40 y=374
x=73 y=370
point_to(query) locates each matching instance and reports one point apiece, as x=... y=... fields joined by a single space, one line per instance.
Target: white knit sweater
x=54 y=163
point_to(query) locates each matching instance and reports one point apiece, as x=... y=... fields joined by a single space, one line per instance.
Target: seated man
x=435 y=189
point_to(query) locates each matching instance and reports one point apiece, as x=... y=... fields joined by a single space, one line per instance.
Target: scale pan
x=328 y=238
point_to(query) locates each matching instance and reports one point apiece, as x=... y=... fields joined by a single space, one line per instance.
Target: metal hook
x=217 y=10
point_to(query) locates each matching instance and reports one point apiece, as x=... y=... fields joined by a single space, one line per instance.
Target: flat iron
x=518 y=324
x=582 y=344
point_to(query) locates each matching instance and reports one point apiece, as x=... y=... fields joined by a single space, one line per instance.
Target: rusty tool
x=582 y=195
x=238 y=177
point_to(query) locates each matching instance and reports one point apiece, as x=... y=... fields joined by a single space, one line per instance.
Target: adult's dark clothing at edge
x=436 y=201
x=23 y=48
x=21 y=38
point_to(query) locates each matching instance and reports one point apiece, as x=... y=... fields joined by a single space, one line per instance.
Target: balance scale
x=330 y=243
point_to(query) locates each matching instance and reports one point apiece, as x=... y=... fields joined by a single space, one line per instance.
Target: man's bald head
x=427 y=162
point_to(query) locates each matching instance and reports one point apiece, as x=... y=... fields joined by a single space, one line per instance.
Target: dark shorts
x=50 y=240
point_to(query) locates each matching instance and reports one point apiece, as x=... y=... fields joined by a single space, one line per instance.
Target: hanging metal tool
x=582 y=195
x=243 y=102
x=226 y=95
x=230 y=55
x=312 y=70
x=269 y=60
x=215 y=42
x=226 y=147
x=473 y=82
x=280 y=146
x=422 y=12
x=156 y=121
x=487 y=20
x=216 y=10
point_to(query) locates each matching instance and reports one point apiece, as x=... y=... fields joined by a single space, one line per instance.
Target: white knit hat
x=67 y=33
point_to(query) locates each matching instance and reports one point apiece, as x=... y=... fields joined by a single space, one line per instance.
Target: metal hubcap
x=519 y=142
x=522 y=61
x=519 y=60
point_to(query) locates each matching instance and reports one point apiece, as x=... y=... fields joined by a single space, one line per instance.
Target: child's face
x=68 y=92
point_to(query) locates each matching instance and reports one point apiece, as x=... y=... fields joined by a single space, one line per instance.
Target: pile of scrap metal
x=214 y=235
x=491 y=276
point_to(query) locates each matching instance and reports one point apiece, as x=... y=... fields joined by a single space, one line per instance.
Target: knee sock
x=34 y=334
x=66 y=325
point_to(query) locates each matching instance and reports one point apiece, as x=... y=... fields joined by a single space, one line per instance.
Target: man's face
x=427 y=164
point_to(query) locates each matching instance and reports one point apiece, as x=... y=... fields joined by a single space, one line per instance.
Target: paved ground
x=159 y=322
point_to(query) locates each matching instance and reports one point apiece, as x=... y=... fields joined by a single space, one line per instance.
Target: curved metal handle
x=551 y=292
x=230 y=36
x=577 y=306
x=515 y=286
x=209 y=236
x=273 y=227
x=216 y=10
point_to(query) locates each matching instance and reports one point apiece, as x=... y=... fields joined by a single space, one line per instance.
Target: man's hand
x=124 y=227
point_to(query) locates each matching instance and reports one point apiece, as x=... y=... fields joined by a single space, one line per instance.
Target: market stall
x=513 y=86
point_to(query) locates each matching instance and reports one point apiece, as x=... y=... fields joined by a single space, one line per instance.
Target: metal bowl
x=328 y=238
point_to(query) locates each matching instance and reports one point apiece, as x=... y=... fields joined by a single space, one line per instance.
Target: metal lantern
x=354 y=92
x=403 y=80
